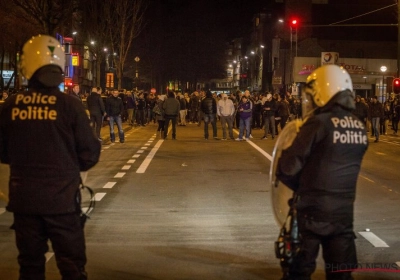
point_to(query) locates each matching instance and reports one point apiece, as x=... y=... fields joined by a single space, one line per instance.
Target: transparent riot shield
x=280 y=193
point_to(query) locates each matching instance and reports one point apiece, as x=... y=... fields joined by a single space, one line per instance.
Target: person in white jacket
x=226 y=111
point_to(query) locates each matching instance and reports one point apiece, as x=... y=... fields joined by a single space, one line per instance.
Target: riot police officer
x=321 y=167
x=46 y=138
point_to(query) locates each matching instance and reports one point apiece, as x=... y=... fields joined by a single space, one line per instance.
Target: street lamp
x=137 y=59
x=383 y=70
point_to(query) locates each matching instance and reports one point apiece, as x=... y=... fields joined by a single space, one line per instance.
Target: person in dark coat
x=321 y=166
x=46 y=138
x=97 y=111
x=361 y=110
x=209 y=109
x=115 y=109
x=375 y=113
x=171 y=109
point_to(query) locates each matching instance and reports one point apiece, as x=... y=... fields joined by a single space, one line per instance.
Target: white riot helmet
x=325 y=82
x=39 y=51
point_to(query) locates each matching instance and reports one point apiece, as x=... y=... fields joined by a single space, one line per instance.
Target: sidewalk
x=105 y=131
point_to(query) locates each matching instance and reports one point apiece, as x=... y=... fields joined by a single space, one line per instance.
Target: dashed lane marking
x=48 y=256
x=109 y=185
x=87 y=210
x=136 y=156
x=126 y=167
x=142 y=168
x=119 y=175
x=140 y=151
x=131 y=161
x=373 y=239
x=2 y=210
x=147 y=144
x=366 y=178
x=143 y=148
x=99 y=196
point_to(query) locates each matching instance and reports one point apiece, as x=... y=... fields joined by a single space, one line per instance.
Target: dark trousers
x=169 y=118
x=339 y=250
x=161 y=124
x=96 y=122
x=210 y=118
x=395 y=124
x=140 y=117
x=68 y=242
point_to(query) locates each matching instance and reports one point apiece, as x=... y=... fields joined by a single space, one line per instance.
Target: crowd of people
x=264 y=110
x=269 y=111
x=378 y=116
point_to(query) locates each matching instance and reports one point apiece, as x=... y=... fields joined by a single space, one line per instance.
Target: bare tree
x=95 y=29
x=15 y=31
x=48 y=15
x=125 y=22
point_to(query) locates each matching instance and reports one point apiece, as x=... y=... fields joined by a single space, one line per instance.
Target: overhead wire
x=377 y=10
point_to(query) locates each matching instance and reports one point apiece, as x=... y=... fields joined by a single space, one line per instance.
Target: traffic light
x=294 y=23
x=396 y=85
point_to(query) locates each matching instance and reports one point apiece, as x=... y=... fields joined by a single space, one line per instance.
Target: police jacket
x=46 y=138
x=209 y=106
x=95 y=104
x=323 y=162
x=114 y=106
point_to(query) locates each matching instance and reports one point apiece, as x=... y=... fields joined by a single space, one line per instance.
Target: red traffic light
x=294 y=22
x=396 y=85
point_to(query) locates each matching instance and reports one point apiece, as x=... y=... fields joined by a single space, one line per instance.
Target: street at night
x=200 y=209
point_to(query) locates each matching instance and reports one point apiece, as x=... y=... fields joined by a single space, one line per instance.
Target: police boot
x=121 y=137
x=112 y=137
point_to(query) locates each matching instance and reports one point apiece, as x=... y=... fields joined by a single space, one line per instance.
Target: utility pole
x=398 y=38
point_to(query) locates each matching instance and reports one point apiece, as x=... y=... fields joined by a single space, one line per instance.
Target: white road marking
x=147 y=144
x=119 y=175
x=261 y=151
x=86 y=210
x=126 y=167
x=142 y=168
x=264 y=153
x=373 y=239
x=143 y=148
x=367 y=179
x=140 y=151
x=109 y=185
x=131 y=161
x=106 y=147
x=48 y=256
x=136 y=156
x=99 y=196
x=2 y=210
x=398 y=264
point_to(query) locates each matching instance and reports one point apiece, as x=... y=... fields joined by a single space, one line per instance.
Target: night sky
x=234 y=17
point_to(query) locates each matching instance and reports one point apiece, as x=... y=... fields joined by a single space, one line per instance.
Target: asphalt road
x=200 y=209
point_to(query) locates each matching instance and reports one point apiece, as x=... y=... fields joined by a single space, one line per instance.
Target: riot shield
x=280 y=193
